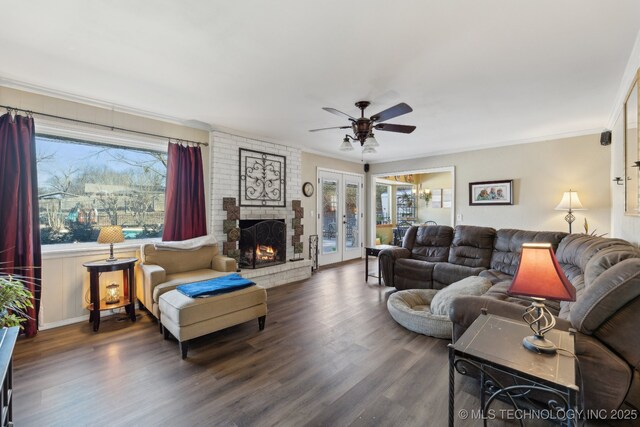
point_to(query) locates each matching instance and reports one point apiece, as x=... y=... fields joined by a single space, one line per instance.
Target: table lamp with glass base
x=540 y=277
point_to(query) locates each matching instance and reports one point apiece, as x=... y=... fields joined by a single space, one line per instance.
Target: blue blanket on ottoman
x=216 y=286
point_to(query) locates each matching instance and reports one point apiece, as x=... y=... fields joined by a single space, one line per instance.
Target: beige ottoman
x=187 y=318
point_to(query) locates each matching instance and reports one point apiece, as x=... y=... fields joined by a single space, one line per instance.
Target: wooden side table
x=127 y=299
x=492 y=346
x=374 y=251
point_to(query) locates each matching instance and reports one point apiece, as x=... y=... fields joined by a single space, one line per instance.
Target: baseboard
x=65 y=322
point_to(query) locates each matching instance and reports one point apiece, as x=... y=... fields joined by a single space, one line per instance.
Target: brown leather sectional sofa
x=605 y=273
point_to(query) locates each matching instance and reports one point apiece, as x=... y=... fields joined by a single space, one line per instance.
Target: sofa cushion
x=496 y=276
x=474 y=285
x=429 y=243
x=577 y=249
x=607 y=258
x=413 y=274
x=607 y=294
x=472 y=246
x=508 y=245
x=605 y=376
x=499 y=292
x=445 y=274
x=565 y=306
x=179 y=261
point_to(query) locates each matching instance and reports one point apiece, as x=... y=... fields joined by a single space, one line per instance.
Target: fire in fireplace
x=265 y=253
x=262 y=242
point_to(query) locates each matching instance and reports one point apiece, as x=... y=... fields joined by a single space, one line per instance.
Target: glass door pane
x=330 y=223
x=340 y=216
x=352 y=212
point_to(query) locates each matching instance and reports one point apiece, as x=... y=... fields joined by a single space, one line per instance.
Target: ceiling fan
x=363 y=127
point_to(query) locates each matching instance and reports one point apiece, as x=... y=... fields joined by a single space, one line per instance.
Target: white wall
x=541 y=171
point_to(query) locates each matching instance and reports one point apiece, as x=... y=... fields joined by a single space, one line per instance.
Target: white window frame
x=99 y=136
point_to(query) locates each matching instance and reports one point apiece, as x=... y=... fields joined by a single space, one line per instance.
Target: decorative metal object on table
x=262 y=179
x=298 y=230
x=313 y=251
x=511 y=373
x=95 y=268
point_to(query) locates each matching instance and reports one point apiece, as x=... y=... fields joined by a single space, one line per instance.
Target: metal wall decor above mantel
x=262 y=179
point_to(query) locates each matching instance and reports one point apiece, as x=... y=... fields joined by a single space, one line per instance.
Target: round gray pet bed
x=426 y=311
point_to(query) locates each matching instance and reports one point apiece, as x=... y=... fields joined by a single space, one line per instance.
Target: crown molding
x=72 y=97
x=497 y=144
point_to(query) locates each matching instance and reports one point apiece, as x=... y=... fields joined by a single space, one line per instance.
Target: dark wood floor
x=330 y=355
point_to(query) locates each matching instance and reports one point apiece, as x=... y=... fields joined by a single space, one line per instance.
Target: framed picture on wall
x=446 y=198
x=436 y=198
x=491 y=193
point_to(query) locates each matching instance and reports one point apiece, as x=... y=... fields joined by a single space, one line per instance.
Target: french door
x=340 y=216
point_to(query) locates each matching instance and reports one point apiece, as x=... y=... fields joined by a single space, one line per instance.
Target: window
x=383 y=204
x=405 y=204
x=83 y=186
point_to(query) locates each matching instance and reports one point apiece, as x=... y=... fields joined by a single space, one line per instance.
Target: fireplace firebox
x=262 y=242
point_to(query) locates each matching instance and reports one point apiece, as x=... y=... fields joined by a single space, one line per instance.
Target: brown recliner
x=411 y=266
x=606 y=314
x=434 y=256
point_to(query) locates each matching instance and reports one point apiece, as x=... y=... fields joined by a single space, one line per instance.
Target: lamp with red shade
x=540 y=277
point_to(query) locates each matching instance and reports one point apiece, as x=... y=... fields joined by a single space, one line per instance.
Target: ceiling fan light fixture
x=369 y=150
x=346 y=145
x=363 y=127
x=371 y=142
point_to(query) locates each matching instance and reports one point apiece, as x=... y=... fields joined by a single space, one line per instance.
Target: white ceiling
x=477 y=73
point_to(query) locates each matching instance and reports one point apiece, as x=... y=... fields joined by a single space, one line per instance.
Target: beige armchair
x=163 y=270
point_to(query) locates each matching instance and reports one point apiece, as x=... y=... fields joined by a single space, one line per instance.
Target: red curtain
x=19 y=215
x=185 y=215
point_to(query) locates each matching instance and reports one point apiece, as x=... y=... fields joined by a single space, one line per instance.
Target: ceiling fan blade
x=338 y=113
x=390 y=113
x=335 y=127
x=388 y=127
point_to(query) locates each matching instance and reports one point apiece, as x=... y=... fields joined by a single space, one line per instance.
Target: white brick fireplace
x=225 y=172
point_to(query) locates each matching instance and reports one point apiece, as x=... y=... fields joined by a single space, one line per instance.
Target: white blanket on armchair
x=187 y=245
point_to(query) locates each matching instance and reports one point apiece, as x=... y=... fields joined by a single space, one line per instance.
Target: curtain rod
x=206 y=144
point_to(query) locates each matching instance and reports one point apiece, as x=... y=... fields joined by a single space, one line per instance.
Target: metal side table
x=492 y=348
